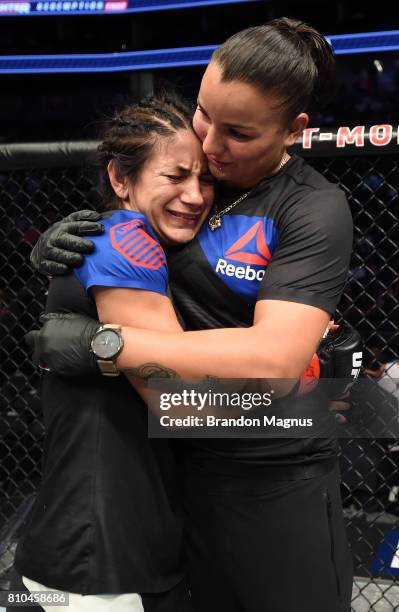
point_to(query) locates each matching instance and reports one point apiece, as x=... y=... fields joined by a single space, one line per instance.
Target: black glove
x=336 y=364
x=63 y=344
x=340 y=356
x=59 y=248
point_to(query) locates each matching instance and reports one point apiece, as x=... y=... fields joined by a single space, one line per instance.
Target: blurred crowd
x=69 y=107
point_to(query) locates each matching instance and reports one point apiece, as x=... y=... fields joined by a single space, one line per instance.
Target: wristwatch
x=106 y=345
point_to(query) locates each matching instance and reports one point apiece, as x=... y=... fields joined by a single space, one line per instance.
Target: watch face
x=106 y=344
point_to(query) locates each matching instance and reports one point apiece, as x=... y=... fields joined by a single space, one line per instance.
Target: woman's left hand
x=63 y=344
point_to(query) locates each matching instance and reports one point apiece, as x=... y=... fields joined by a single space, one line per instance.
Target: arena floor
x=379 y=596
x=382 y=596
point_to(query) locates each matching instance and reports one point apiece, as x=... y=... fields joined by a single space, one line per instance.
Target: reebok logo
x=245 y=272
x=134 y=244
x=259 y=254
x=240 y=252
x=251 y=248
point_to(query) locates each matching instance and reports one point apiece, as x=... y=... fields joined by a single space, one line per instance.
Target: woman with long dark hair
x=106 y=524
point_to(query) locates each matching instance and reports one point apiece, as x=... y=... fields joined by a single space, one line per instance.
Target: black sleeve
x=311 y=262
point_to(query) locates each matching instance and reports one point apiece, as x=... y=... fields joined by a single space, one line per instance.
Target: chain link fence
x=43 y=183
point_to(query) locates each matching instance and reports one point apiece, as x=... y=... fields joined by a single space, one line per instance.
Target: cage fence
x=44 y=182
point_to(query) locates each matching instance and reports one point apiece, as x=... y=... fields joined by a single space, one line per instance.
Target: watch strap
x=108 y=367
x=114 y=326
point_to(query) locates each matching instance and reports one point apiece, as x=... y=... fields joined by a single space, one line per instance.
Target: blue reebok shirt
x=128 y=254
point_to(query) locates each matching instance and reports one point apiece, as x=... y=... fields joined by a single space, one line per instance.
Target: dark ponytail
x=286 y=58
x=129 y=137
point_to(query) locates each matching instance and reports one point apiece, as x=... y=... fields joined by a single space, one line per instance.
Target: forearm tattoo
x=151 y=370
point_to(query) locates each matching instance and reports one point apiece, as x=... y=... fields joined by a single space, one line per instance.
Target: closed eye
x=239 y=135
x=202 y=111
x=175 y=177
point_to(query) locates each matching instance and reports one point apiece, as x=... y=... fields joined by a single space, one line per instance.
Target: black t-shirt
x=107 y=515
x=291 y=240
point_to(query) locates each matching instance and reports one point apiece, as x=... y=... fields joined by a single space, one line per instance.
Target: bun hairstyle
x=130 y=134
x=286 y=58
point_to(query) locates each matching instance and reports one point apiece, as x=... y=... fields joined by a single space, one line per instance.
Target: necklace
x=216 y=220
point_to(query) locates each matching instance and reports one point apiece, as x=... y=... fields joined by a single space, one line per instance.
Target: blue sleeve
x=126 y=255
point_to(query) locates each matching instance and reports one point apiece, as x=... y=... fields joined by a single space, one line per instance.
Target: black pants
x=174 y=600
x=264 y=544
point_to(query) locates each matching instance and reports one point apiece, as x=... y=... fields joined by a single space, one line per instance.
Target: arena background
x=60 y=74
